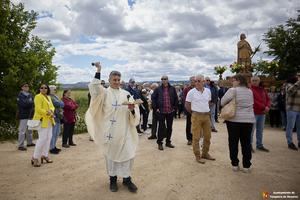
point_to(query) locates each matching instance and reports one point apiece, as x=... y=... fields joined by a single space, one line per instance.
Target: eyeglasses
x=163 y=79
x=207 y=80
x=43 y=88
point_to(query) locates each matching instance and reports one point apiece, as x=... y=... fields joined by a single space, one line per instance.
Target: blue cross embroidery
x=112 y=121
x=116 y=105
x=109 y=137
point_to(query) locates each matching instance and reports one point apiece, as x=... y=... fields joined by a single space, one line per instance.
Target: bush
x=8 y=131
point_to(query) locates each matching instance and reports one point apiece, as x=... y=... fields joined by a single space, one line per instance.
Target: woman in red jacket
x=69 y=119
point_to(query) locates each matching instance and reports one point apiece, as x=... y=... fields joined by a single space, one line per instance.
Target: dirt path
x=172 y=174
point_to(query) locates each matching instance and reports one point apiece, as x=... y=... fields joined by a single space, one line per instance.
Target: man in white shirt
x=197 y=103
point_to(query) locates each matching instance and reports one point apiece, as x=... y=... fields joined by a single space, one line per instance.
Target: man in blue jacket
x=25 y=112
x=164 y=102
x=136 y=95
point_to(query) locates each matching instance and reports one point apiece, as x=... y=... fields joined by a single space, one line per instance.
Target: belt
x=200 y=113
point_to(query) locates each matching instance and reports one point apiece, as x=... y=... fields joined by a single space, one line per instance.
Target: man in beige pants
x=197 y=103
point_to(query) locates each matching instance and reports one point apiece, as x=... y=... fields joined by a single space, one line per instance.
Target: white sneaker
x=246 y=170
x=235 y=168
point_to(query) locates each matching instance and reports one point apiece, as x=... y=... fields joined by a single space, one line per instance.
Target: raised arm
x=95 y=87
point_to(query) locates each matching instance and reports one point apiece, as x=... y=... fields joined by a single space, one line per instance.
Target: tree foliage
x=23 y=57
x=284 y=43
x=264 y=67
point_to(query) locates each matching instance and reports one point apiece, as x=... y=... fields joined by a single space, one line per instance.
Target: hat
x=131 y=80
x=52 y=87
x=144 y=91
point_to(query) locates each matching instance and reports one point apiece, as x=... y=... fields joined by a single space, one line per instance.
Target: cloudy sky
x=145 y=39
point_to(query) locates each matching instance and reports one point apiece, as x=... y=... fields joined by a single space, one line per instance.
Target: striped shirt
x=244 y=104
x=293 y=97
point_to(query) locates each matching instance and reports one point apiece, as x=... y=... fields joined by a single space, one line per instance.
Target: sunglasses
x=163 y=79
x=199 y=81
x=43 y=88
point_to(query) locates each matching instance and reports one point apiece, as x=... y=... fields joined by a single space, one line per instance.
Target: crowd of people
x=51 y=111
x=120 y=112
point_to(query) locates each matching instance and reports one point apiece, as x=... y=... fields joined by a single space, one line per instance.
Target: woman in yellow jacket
x=43 y=111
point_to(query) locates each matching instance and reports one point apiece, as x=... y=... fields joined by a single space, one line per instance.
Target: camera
x=94 y=63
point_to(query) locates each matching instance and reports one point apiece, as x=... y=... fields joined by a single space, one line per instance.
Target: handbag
x=228 y=111
x=33 y=124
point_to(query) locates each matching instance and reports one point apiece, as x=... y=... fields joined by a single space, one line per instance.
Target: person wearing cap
x=25 y=112
x=136 y=95
x=58 y=116
x=111 y=121
x=165 y=101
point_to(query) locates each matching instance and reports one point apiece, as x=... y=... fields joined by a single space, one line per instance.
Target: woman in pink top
x=69 y=119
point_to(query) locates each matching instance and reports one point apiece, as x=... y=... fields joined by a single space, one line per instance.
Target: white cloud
x=155 y=37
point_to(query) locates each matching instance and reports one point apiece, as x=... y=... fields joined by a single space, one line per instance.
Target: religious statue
x=244 y=54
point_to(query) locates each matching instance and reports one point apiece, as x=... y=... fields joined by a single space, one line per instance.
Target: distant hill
x=84 y=85
x=79 y=85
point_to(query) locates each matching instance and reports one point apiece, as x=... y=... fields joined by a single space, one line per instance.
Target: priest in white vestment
x=111 y=120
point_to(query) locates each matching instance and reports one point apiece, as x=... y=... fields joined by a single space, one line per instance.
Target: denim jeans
x=259 y=126
x=212 y=108
x=55 y=134
x=292 y=118
x=283 y=119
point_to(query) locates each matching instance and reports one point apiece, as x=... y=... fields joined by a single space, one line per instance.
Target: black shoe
x=299 y=145
x=66 y=146
x=22 y=149
x=292 y=146
x=57 y=149
x=160 y=147
x=170 y=145
x=54 y=151
x=130 y=185
x=152 y=137
x=189 y=142
x=72 y=144
x=214 y=130
x=263 y=149
x=31 y=145
x=113 y=184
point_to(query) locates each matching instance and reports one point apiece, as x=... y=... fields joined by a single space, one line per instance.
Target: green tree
x=23 y=57
x=284 y=43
